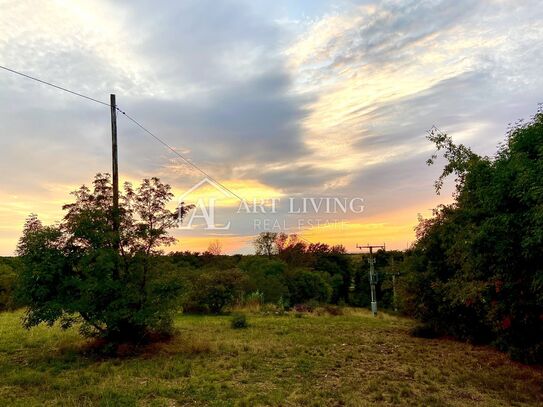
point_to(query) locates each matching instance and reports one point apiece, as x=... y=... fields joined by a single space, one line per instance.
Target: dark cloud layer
x=243 y=123
x=219 y=82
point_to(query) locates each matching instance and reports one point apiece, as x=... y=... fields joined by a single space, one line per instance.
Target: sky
x=279 y=101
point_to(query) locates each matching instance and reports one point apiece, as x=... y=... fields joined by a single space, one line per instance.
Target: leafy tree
x=333 y=261
x=330 y=261
x=82 y=270
x=386 y=264
x=292 y=250
x=476 y=270
x=304 y=285
x=266 y=276
x=265 y=244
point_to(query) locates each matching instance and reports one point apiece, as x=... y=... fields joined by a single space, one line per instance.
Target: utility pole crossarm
x=371 y=247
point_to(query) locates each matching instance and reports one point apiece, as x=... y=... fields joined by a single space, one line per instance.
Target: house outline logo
x=203 y=210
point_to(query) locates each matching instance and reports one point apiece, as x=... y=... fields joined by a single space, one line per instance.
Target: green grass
x=351 y=360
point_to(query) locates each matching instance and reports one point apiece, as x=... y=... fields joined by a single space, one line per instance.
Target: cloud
x=246 y=122
x=295 y=97
x=302 y=178
x=385 y=72
x=205 y=44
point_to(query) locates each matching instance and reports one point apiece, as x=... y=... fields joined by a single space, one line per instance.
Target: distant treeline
x=298 y=274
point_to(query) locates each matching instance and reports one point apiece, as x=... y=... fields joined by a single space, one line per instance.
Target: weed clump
x=329 y=309
x=307 y=307
x=239 y=321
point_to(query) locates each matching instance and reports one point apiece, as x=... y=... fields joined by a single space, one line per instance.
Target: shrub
x=282 y=304
x=217 y=289
x=239 y=321
x=267 y=276
x=254 y=298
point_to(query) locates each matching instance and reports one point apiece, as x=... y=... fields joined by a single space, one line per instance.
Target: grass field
x=352 y=359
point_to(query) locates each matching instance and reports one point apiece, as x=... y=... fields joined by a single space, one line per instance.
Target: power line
x=136 y=123
x=173 y=150
x=54 y=86
x=128 y=117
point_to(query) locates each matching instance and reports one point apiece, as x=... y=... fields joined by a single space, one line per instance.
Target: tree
x=291 y=250
x=215 y=248
x=476 y=270
x=333 y=261
x=267 y=276
x=81 y=270
x=265 y=244
x=304 y=285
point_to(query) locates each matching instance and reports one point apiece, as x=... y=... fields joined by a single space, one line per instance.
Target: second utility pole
x=373 y=275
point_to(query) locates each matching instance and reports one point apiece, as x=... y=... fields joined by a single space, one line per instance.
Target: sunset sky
x=275 y=99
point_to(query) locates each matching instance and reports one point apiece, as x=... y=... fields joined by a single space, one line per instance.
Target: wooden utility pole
x=373 y=275
x=115 y=162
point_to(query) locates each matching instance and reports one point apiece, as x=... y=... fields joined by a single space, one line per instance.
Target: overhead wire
x=137 y=123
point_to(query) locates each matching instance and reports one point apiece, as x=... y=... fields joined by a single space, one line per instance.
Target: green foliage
x=213 y=291
x=333 y=261
x=326 y=277
x=239 y=321
x=81 y=270
x=305 y=285
x=266 y=276
x=8 y=278
x=387 y=264
x=255 y=297
x=476 y=271
x=281 y=278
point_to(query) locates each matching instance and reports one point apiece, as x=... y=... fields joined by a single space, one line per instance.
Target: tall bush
x=476 y=270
